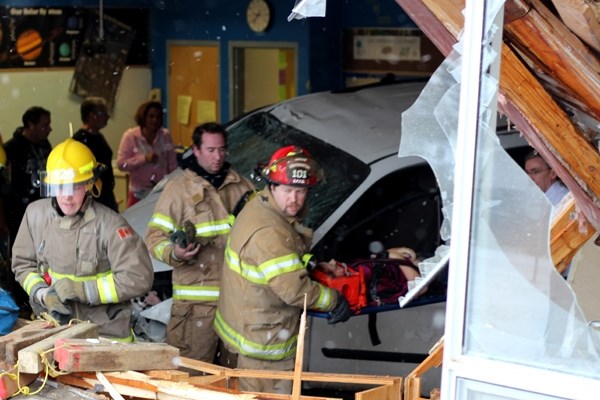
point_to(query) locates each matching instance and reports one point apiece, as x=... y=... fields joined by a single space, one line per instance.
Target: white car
x=370 y=195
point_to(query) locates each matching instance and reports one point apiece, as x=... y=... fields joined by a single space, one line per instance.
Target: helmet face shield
x=50 y=187
x=70 y=167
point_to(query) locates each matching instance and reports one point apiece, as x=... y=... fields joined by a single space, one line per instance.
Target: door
x=193 y=82
x=261 y=74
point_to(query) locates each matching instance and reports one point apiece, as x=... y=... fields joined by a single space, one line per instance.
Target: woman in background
x=146 y=151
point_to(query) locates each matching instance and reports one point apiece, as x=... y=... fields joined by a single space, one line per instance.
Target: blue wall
x=319 y=39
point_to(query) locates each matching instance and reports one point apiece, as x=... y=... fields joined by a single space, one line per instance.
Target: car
x=370 y=199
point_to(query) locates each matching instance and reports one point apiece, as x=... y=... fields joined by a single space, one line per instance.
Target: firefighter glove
x=50 y=300
x=341 y=312
x=71 y=290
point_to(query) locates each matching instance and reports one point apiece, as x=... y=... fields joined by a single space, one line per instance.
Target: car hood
x=374 y=115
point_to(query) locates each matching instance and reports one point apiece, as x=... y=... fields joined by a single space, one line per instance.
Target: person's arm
x=166 y=218
x=127 y=158
x=24 y=259
x=131 y=272
x=287 y=276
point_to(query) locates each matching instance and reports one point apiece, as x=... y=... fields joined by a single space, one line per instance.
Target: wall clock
x=258 y=15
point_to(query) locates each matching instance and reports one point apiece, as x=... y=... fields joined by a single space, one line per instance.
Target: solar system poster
x=40 y=36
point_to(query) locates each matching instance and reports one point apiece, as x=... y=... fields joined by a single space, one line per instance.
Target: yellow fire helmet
x=70 y=164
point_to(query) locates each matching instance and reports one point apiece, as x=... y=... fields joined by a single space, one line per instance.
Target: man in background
x=188 y=230
x=544 y=176
x=94 y=115
x=26 y=153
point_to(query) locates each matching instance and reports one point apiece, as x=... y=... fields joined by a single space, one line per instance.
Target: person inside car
x=264 y=279
x=188 y=230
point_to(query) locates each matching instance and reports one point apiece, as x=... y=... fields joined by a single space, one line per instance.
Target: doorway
x=261 y=73
x=193 y=81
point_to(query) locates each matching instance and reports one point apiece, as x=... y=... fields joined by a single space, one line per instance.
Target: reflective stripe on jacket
x=189 y=197
x=264 y=282
x=96 y=245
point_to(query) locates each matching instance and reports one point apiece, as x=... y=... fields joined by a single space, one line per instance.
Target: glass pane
x=473 y=390
x=519 y=308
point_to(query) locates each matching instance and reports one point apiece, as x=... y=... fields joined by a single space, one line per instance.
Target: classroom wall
x=50 y=89
x=318 y=43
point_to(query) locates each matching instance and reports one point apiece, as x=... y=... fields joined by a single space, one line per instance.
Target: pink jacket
x=131 y=157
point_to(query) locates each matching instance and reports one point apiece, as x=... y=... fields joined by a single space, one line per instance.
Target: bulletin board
x=47 y=37
x=403 y=51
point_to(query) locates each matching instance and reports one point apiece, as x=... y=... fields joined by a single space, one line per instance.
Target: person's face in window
x=289 y=199
x=212 y=151
x=540 y=172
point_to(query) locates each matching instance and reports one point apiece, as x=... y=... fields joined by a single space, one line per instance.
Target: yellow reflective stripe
x=231 y=219
x=32 y=279
x=107 y=289
x=56 y=276
x=127 y=339
x=277 y=351
x=162 y=222
x=159 y=250
x=213 y=228
x=265 y=271
x=280 y=265
x=197 y=293
x=104 y=282
x=325 y=298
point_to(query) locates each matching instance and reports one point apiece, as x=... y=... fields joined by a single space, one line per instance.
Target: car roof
x=375 y=115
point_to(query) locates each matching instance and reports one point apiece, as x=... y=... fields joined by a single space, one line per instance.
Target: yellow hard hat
x=70 y=162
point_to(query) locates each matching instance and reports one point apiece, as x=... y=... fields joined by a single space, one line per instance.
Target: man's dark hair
x=90 y=104
x=208 y=127
x=533 y=154
x=33 y=115
x=142 y=111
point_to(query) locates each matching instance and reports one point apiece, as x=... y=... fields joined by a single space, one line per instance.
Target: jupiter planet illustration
x=29 y=45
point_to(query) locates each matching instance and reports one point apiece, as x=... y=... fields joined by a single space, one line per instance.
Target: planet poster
x=46 y=37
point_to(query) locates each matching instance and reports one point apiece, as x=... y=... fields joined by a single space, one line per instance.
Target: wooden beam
x=527 y=103
x=12 y=381
x=567 y=235
x=30 y=358
x=297 y=381
x=435 y=30
x=106 y=355
x=556 y=51
x=581 y=16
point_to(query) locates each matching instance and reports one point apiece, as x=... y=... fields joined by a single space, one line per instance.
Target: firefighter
x=188 y=230
x=264 y=278
x=76 y=258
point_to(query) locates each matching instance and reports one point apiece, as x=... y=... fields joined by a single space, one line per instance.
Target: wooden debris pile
x=39 y=357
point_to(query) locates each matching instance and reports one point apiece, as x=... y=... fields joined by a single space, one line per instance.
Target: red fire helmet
x=293 y=166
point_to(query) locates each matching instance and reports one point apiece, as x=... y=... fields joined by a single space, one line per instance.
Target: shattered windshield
x=253 y=140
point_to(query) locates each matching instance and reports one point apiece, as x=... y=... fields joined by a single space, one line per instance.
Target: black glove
x=341 y=312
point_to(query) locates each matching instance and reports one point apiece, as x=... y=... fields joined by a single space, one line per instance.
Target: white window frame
x=458 y=368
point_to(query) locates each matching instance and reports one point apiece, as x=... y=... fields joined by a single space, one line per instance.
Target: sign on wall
x=46 y=37
x=406 y=51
